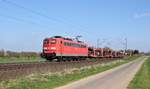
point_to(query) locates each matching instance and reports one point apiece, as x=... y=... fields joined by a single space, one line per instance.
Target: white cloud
x=140 y=15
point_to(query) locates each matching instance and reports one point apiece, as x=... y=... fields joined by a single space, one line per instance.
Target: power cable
x=43 y=15
x=17 y=19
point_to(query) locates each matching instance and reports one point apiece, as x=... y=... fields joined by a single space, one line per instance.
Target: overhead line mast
x=126 y=44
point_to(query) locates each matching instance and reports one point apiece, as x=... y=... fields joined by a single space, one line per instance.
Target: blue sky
x=25 y=23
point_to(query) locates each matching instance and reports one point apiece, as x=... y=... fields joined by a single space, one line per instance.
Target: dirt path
x=116 y=78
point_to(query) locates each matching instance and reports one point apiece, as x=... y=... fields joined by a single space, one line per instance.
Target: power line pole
x=126 y=44
x=101 y=42
x=98 y=40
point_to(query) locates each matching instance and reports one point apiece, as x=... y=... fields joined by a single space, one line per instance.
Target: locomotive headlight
x=53 y=48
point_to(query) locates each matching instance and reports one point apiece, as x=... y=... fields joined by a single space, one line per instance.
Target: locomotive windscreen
x=50 y=41
x=46 y=41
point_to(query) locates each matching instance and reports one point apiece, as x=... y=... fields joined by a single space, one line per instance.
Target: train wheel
x=49 y=59
x=60 y=59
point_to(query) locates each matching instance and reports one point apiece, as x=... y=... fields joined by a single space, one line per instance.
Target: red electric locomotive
x=61 y=48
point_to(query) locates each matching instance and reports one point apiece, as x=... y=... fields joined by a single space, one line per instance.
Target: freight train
x=66 y=49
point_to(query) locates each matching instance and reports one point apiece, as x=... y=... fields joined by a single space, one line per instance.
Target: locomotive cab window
x=53 y=41
x=45 y=41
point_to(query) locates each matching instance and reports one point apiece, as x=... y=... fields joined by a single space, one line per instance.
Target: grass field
x=142 y=78
x=50 y=81
x=20 y=59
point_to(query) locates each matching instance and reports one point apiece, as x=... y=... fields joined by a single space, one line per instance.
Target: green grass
x=142 y=78
x=50 y=81
x=20 y=59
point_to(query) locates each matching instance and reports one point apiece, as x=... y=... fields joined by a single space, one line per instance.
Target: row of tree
x=132 y=52
x=4 y=53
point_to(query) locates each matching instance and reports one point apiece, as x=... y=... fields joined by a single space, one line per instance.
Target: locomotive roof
x=66 y=38
x=56 y=37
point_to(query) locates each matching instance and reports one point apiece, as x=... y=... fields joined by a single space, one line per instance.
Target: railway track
x=15 y=70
